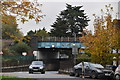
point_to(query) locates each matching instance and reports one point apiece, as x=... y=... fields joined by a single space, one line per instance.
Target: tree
x=70 y=21
x=59 y=28
x=104 y=40
x=10 y=29
x=19 y=48
x=21 y=9
x=42 y=33
x=38 y=33
x=31 y=33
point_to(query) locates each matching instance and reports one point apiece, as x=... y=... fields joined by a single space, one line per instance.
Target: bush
x=83 y=59
x=19 y=48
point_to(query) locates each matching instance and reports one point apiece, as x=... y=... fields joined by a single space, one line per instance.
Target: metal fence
x=8 y=61
x=59 y=39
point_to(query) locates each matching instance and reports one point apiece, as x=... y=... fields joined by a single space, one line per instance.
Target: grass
x=14 y=78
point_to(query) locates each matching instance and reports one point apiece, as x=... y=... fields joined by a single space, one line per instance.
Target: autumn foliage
x=23 y=10
x=14 y=10
x=105 y=38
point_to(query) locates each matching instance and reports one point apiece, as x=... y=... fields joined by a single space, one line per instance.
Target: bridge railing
x=60 y=39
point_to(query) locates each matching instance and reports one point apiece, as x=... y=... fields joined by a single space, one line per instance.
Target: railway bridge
x=55 y=50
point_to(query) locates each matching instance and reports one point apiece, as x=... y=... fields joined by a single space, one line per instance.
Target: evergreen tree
x=42 y=33
x=31 y=33
x=72 y=20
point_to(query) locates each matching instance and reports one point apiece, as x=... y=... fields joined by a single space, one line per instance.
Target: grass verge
x=14 y=78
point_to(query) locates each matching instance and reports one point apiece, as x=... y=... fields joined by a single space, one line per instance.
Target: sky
x=52 y=9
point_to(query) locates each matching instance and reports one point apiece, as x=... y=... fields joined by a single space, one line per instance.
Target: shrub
x=19 y=48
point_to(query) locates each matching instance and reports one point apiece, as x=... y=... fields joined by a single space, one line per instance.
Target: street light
x=24 y=54
x=74 y=52
x=35 y=53
x=53 y=46
x=1 y=53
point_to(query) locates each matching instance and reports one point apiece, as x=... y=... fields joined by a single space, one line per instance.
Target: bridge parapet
x=59 y=39
x=42 y=42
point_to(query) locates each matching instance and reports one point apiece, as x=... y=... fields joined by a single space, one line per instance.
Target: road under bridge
x=53 y=50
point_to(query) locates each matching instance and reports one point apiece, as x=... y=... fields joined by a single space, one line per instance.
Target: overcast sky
x=52 y=8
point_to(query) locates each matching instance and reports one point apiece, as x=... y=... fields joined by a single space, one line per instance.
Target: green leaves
x=42 y=33
x=72 y=20
x=20 y=47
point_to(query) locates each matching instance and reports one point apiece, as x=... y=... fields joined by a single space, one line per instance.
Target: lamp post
x=35 y=54
x=1 y=53
x=24 y=54
x=74 y=48
x=74 y=52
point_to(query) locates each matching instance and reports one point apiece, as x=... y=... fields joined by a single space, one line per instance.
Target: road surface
x=49 y=74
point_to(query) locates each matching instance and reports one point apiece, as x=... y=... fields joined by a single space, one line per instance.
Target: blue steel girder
x=59 y=44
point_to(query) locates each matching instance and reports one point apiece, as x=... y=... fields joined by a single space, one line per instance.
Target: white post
x=114 y=61
x=119 y=61
x=36 y=54
x=1 y=53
